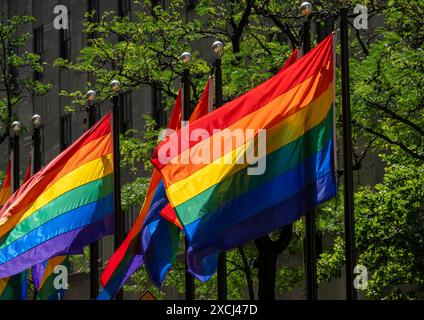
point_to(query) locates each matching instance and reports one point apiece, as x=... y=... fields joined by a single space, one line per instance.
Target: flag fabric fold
x=227 y=201
x=62 y=208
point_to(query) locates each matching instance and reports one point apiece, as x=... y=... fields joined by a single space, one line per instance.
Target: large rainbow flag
x=225 y=201
x=62 y=208
x=128 y=258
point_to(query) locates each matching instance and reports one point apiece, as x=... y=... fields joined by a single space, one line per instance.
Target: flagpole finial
x=218 y=48
x=186 y=57
x=36 y=120
x=306 y=8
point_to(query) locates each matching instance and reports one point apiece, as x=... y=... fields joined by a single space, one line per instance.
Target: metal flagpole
x=218 y=47
x=119 y=232
x=36 y=144
x=36 y=153
x=94 y=247
x=310 y=234
x=16 y=130
x=186 y=112
x=351 y=293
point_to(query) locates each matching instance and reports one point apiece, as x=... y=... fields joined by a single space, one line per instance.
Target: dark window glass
x=324 y=28
x=158 y=112
x=126 y=111
x=158 y=3
x=65 y=41
x=129 y=217
x=65 y=131
x=39 y=48
x=191 y=4
x=94 y=5
x=125 y=8
x=42 y=147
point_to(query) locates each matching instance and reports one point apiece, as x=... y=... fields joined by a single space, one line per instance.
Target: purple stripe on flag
x=69 y=243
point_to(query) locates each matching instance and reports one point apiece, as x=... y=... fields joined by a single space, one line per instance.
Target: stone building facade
x=60 y=129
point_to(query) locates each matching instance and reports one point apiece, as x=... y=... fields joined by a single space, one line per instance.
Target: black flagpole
x=351 y=293
x=119 y=232
x=222 y=259
x=94 y=247
x=310 y=245
x=15 y=158
x=36 y=154
x=185 y=82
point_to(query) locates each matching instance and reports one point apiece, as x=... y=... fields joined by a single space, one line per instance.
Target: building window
x=65 y=131
x=129 y=218
x=42 y=147
x=94 y=5
x=158 y=112
x=125 y=8
x=191 y=4
x=65 y=41
x=324 y=28
x=126 y=111
x=39 y=48
x=158 y=3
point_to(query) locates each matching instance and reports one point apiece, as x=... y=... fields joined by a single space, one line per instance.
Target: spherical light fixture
x=16 y=127
x=186 y=57
x=218 y=48
x=36 y=120
x=91 y=95
x=306 y=8
x=116 y=85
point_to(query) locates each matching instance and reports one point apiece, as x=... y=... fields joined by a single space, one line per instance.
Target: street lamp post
x=185 y=82
x=310 y=234
x=36 y=153
x=218 y=48
x=16 y=128
x=351 y=293
x=119 y=232
x=36 y=143
x=94 y=247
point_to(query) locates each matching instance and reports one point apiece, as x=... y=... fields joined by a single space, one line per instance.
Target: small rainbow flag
x=128 y=258
x=227 y=200
x=62 y=208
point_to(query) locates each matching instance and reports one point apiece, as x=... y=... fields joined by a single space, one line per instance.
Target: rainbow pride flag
x=62 y=208
x=228 y=199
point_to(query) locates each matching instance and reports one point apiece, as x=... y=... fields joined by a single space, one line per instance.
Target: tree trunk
x=248 y=273
x=268 y=252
